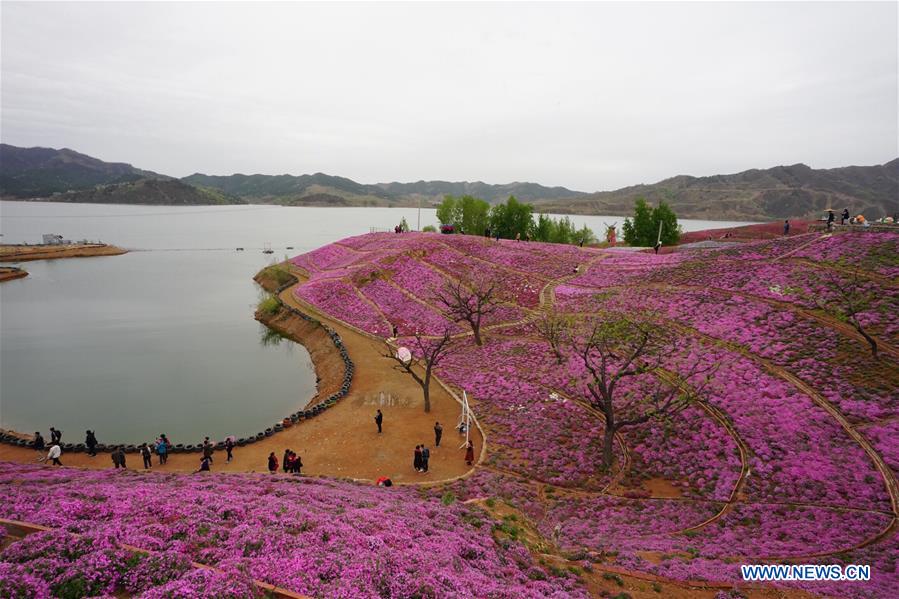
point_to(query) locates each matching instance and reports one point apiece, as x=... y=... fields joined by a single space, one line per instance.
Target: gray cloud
x=590 y=96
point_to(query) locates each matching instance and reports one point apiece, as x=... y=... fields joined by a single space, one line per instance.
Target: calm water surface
x=163 y=339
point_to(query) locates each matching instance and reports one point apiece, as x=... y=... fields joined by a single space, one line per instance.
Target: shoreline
x=23 y=253
x=340 y=442
x=11 y=273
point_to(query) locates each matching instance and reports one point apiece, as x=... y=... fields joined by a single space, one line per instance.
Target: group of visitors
x=292 y=462
x=55 y=447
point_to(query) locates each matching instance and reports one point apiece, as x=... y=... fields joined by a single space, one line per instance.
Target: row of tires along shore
x=349 y=370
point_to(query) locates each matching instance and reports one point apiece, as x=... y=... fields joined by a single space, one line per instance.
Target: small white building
x=53 y=239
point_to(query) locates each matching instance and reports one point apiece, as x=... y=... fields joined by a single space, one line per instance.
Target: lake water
x=163 y=339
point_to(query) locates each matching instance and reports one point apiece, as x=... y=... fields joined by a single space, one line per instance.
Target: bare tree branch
x=469 y=303
x=426 y=354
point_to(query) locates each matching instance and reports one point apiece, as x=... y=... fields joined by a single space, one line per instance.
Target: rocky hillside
x=42 y=172
x=796 y=191
x=149 y=191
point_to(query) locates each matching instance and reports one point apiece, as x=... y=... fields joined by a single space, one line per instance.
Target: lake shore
x=24 y=253
x=342 y=441
x=9 y=273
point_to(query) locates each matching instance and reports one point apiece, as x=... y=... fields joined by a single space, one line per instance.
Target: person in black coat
x=146 y=455
x=229 y=447
x=39 y=444
x=90 y=441
x=416 y=461
x=845 y=216
x=379 y=419
x=425 y=458
x=438 y=434
x=55 y=436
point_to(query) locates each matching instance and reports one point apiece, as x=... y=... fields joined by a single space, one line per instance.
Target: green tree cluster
x=468 y=214
x=509 y=220
x=644 y=229
x=550 y=230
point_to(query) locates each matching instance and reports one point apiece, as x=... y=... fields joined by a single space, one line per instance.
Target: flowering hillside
x=792 y=457
x=789 y=454
x=318 y=537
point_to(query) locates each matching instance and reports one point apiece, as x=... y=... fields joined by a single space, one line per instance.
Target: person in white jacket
x=54 y=454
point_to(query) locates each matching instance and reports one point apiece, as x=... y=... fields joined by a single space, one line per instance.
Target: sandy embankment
x=8 y=273
x=23 y=253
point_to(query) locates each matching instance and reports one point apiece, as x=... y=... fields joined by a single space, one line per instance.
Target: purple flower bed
x=341 y=300
x=317 y=537
x=60 y=564
x=408 y=315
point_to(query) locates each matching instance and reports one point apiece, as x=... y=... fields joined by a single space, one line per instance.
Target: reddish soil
x=747 y=232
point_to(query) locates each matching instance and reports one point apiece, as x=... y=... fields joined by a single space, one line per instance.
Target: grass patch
x=269 y=305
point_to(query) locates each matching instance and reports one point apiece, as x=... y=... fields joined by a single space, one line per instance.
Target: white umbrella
x=404 y=355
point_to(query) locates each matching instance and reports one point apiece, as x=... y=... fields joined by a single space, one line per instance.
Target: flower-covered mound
x=792 y=457
x=318 y=537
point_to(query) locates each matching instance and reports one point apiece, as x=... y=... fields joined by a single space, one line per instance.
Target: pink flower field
x=791 y=456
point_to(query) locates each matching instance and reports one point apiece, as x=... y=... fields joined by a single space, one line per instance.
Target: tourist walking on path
x=845 y=216
x=830 y=219
x=162 y=450
x=379 y=418
x=425 y=458
x=147 y=455
x=118 y=457
x=438 y=433
x=54 y=454
x=416 y=460
x=297 y=464
x=272 y=463
x=204 y=464
x=469 y=453
x=55 y=436
x=229 y=447
x=207 y=449
x=285 y=461
x=787 y=227
x=90 y=441
x=39 y=445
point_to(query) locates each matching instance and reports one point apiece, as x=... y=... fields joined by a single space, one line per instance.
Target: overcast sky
x=589 y=96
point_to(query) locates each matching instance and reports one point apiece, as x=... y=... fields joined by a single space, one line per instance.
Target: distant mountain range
x=795 y=191
x=160 y=192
